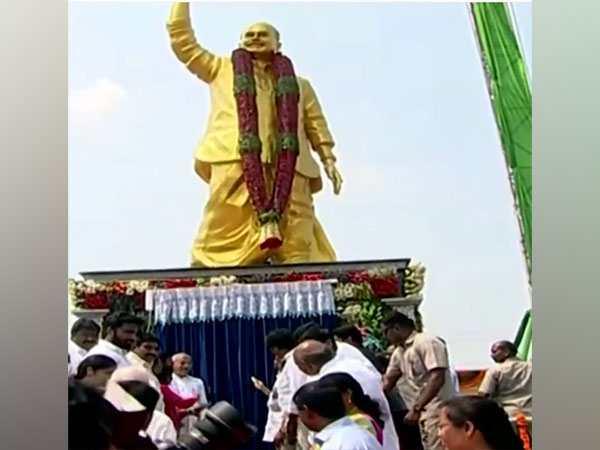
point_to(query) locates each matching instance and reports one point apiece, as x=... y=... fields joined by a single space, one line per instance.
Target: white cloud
x=96 y=101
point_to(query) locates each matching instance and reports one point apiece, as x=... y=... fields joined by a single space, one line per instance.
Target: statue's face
x=260 y=39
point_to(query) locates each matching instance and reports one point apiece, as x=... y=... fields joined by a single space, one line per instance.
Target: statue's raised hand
x=334 y=175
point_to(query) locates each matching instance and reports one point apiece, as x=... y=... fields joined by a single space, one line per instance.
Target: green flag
x=523 y=339
x=510 y=93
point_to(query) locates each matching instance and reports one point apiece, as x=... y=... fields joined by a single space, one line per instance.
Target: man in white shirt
x=84 y=336
x=322 y=410
x=120 y=330
x=144 y=353
x=280 y=342
x=317 y=359
x=187 y=386
x=290 y=380
x=293 y=378
x=161 y=430
x=145 y=350
x=341 y=349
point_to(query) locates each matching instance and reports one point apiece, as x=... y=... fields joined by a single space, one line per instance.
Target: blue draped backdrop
x=226 y=353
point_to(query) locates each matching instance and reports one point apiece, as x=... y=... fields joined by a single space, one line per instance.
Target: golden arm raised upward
x=201 y=62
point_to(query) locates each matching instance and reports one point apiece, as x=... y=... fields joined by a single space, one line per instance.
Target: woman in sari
x=176 y=407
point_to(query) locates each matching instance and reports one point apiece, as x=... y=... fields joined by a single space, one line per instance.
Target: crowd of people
x=329 y=392
x=121 y=352
x=332 y=393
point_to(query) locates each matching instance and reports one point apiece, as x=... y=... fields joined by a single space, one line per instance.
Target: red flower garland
x=382 y=287
x=269 y=209
x=180 y=283
x=96 y=301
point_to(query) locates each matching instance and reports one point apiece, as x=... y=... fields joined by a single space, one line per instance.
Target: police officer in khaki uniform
x=421 y=360
x=509 y=382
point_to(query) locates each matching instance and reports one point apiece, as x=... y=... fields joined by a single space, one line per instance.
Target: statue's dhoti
x=229 y=232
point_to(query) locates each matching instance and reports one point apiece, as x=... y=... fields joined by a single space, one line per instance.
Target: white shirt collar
x=178 y=378
x=76 y=348
x=326 y=433
x=135 y=359
x=112 y=347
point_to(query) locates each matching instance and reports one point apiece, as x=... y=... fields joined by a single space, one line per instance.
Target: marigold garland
x=523 y=433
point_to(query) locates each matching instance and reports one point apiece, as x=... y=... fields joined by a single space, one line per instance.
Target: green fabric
x=521 y=331
x=524 y=348
x=523 y=339
x=511 y=99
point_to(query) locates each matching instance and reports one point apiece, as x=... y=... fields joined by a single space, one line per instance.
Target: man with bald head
x=229 y=234
x=317 y=359
x=187 y=386
x=342 y=350
x=509 y=381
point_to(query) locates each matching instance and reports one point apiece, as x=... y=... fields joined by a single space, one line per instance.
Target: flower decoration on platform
x=223 y=280
x=358 y=294
x=293 y=276
x=351 y=313
x=414 y=278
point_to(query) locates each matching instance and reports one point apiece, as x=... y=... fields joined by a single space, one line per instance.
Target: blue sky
x=403 y=90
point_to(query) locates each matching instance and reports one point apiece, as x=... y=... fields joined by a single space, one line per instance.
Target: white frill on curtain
x=302 y=298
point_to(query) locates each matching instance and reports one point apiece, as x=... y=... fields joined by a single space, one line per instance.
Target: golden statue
x=263 y=123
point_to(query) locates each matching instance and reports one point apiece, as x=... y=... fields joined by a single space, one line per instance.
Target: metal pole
x=508 y=169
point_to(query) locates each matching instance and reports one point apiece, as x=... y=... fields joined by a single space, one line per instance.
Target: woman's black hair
x=96 y=362
x=344 y=382
x=487 y=417
x=91 y=418
x=166 y=373
x=325 y=401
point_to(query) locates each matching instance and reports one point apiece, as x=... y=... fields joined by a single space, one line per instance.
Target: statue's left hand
x=334 y=175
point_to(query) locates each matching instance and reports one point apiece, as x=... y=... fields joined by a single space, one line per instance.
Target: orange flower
x=523 y=433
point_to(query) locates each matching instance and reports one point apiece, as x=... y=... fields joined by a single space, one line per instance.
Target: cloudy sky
x=403 y=90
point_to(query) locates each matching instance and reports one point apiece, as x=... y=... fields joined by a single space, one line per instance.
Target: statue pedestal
x=356 y=285
x=94 y=314
x=405 y=305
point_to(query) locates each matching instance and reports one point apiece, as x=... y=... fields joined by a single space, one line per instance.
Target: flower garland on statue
x=269 y=208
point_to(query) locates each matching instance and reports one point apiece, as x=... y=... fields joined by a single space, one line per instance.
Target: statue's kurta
x=229 y=233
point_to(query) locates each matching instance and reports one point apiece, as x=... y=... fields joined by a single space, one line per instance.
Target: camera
x=221 y=427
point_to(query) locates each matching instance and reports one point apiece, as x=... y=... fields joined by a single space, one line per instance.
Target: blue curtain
x=227 y=353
